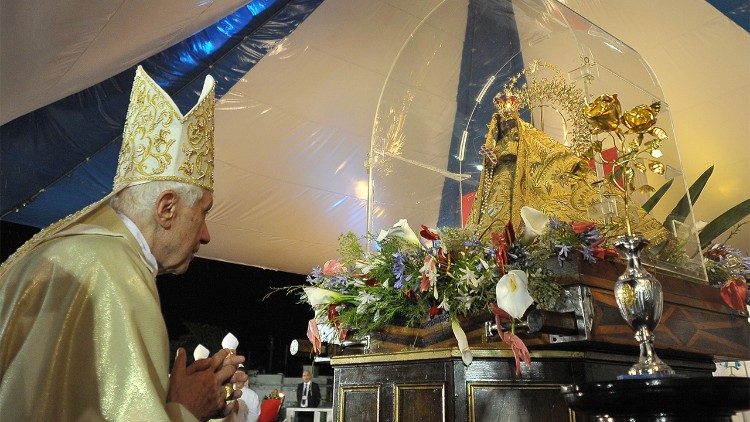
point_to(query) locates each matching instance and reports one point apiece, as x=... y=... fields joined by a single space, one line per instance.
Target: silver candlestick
x=639 y=297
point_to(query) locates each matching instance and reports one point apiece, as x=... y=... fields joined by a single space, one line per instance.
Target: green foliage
x=656 y=197
x=723 y=222
x=682 y=209
x=349 y=249
x=713 y=229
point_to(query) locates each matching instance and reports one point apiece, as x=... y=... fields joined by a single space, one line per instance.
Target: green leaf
x=723 y=222
x=682 y=208
x=656 y=197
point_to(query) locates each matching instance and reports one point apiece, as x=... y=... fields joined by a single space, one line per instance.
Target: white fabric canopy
x=292 y=136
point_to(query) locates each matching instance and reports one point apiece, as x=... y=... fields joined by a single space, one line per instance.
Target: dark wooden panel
x=359 y=403
x=681 y=328
x=420 y=402
x=435 y=386
x=516 y=403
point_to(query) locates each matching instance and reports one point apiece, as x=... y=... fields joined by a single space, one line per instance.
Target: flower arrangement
x=410 y=277
x=729 y=270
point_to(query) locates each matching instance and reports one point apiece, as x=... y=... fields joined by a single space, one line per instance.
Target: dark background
x=213 y=298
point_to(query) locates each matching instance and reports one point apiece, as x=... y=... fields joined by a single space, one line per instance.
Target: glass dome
x=436 y=104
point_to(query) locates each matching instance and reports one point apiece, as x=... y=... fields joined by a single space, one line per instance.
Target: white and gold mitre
x=159 y=143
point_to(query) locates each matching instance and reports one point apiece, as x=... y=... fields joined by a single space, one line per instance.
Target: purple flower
x=555 y=224
x=591 y=236
x=563 y=252
x=398 y=269
x=316 y=273
x=473 y=243
x=588 y=254
x=337 y=281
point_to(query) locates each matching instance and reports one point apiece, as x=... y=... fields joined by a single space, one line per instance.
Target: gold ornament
x=554 y=91
x=603 y=114
x=641 y=118
x=228 y=392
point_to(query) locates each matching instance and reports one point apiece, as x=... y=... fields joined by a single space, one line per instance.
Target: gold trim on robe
x=82 y=336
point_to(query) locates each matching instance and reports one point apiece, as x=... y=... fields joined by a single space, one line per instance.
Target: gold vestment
x=82 y=336
x=531 y=169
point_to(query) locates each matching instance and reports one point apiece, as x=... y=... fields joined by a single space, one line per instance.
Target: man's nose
x=205 y=235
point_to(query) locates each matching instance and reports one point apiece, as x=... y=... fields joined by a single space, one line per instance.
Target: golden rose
x=640 y=119
x=603 y=114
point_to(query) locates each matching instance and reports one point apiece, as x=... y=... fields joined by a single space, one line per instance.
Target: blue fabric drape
x=64 y=155
x=491 y=47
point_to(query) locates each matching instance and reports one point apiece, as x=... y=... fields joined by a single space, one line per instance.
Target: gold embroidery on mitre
x=159 y=143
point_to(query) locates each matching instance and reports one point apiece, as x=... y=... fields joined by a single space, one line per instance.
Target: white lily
x=535 y=223
x=317 y=296
x=463 y=344
x=401 y=230
x=470 y=279
x=513 y=294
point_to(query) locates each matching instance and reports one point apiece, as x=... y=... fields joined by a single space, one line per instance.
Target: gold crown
x=555 y=92
x=159 y=143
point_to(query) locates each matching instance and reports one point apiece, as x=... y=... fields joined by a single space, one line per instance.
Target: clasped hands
x=200 y=386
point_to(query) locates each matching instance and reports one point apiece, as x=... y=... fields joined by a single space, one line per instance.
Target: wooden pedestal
x=416 y=374
x=434 y=385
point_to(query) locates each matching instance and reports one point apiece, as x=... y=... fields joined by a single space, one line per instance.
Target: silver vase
x=640 y=300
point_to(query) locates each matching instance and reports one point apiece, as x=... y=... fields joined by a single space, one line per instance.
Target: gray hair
x=138 y=201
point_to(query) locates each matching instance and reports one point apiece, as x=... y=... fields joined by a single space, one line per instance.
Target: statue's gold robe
x=82 y=336
x=531 y=169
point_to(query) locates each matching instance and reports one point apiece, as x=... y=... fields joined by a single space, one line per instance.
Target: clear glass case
x=436 y=103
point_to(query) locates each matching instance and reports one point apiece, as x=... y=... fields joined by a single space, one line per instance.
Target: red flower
x=428 y=233
x=314 y=335
x=333 y=315
x=580 y=227
x=409 y=293
x=602 y=253
x=734 y=293
x=520 y=352
x=501 y=253
x=500 y=315
x=332 y=267
x=435 y=311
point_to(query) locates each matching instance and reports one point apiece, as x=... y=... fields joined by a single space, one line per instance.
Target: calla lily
x=534 y=224
x=463 y=344
x=513 y=294
x=317 y=296
x=400 y=230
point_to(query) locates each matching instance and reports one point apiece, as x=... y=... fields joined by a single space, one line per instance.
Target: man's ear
x=166 y=208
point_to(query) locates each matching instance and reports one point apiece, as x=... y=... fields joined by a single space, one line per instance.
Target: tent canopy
x=300 y=84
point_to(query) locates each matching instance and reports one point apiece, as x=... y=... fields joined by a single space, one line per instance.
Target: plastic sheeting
x=86 y=127
x=293 y=133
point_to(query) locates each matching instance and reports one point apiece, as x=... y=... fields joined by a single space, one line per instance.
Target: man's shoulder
x=76 y=249
x=90 y=241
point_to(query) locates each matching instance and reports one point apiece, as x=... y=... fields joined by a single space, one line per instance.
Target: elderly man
x=81 y=331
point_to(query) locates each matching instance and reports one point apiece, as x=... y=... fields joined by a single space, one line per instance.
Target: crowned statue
x=523 y=166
